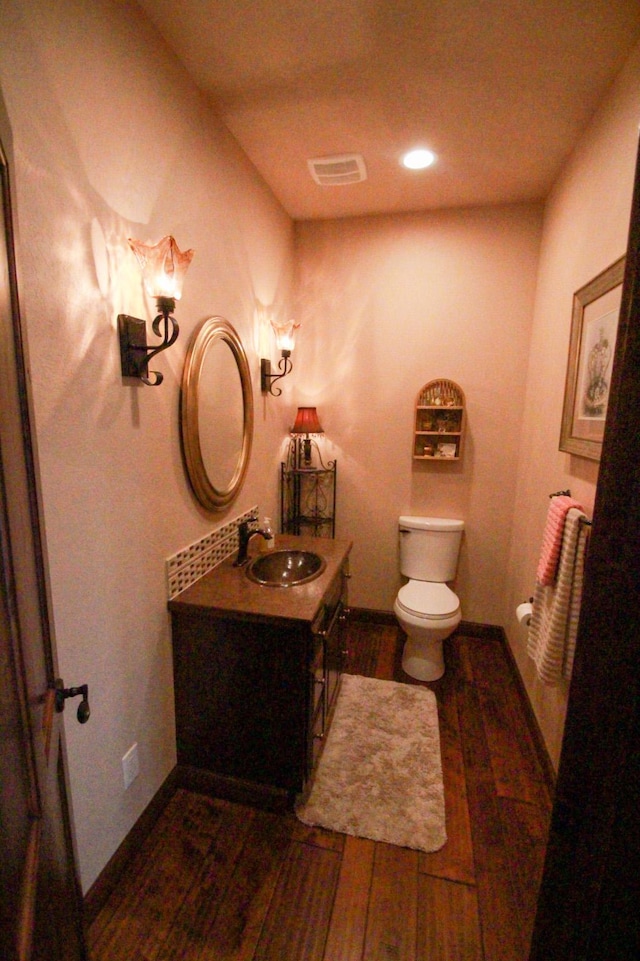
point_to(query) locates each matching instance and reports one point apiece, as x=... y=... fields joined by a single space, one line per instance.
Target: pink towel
x=552 y=538
x=553 y=628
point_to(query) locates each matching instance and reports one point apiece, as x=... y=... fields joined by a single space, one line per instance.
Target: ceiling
x=500 y=89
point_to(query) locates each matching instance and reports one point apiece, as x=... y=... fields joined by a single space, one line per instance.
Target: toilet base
x=423 y=660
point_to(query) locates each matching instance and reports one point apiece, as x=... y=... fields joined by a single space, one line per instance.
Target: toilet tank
x=429 y=548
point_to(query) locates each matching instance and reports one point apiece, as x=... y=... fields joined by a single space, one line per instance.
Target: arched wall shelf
x=439 y=422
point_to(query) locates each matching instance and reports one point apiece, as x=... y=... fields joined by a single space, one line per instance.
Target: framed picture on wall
x=594 y=329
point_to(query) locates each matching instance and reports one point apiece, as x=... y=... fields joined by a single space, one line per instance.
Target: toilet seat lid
x=427 y=599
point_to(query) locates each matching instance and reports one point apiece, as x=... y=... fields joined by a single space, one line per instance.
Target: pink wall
x=387 y=304
x=585 y=230
x=112 y=140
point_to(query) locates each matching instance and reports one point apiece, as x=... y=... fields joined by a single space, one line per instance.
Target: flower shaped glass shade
x=163 y=267
x=285 y=334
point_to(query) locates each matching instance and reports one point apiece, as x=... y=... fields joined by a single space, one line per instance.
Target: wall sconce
x=306 y=423
x=163 y=271
x=285 y=342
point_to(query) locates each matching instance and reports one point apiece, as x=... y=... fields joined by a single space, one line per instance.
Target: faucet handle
x=244 y=535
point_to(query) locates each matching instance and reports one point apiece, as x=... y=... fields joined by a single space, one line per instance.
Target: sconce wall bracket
x=132 y=334
x=135 y=354
x=267 y=379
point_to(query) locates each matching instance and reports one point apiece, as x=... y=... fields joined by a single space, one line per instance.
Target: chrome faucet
x=245 y=533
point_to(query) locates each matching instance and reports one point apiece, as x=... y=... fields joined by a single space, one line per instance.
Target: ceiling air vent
x=339 y=170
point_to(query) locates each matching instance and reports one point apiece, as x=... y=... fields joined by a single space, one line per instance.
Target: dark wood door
x=589 y=904
x=40 y=915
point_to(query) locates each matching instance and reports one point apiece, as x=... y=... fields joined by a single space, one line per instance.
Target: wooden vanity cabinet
x=254 y=695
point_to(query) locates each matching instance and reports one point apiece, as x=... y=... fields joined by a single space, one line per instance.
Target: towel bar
x=567 y=493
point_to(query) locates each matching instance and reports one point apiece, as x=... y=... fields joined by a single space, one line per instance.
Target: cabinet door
x=240 y=696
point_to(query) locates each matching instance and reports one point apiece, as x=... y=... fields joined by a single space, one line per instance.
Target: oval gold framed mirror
x=216 y=413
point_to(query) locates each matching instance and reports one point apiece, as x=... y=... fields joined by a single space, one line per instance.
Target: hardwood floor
x=219 y=881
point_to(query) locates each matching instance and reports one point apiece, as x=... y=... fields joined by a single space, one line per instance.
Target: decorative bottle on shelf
x=267 y=543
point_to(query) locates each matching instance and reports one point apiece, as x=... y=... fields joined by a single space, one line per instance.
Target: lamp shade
x=307 y=422
x=163 y=267
x=285 y=334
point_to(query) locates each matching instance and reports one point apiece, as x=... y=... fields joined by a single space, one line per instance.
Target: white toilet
x=427 y=609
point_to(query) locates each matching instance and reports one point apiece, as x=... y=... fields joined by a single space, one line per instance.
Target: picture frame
x=594 y=330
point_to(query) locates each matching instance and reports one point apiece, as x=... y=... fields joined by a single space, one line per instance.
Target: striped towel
x=552 y=537
x=556 y=607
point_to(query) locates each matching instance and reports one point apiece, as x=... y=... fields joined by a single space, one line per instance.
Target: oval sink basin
x=285 y=568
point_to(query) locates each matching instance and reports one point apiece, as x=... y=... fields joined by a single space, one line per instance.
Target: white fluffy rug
x=380 y=774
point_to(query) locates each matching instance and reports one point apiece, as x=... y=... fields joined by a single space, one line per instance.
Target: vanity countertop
x=227 y=591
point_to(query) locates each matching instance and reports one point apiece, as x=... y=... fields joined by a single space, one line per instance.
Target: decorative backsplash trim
x=193 y=562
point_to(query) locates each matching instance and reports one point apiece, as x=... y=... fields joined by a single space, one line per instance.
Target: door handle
x=62 y=693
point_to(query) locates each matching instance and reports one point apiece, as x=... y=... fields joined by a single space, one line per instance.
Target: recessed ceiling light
x=418 y=159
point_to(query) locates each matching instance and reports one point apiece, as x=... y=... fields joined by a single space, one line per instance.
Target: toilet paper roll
x=523 y=613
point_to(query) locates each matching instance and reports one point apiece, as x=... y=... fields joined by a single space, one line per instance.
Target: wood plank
x=461 y=645
x=502 y=936
x=166 y=824
x=514 y=784
x=391 y=640
x=393 y=907
x=448 y=922
x=161 y=877
x=317 y=836
x=515 y=759
x=515 y=764
x=230 y=929
x=100 y=920
x=295 y=928
x=363 y=646
x=373 y=650
x=526 y=829
x=190 y=929
x=534 y=730
x=455 y=860
x=347 y=928
x=119 y=863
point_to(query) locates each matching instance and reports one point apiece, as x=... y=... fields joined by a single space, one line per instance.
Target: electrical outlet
x=130 y=765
